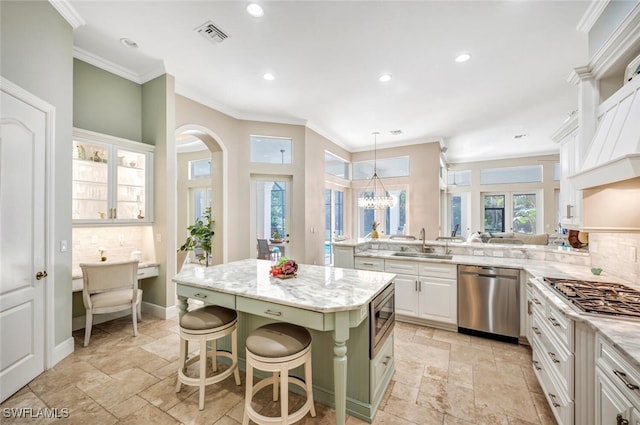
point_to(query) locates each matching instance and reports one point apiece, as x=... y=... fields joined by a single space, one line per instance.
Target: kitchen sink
x=423 y=255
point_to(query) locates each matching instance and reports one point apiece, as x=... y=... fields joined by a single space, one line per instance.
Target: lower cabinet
x=617 y=388
x=343 y=256
x=551 y=338
x=425 y=292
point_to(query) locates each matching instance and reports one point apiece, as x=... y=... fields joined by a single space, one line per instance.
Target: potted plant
x=374 y=230
x=200 y=236
x=276 y=238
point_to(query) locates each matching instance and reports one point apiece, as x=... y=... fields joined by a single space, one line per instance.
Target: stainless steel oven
x=382 y=316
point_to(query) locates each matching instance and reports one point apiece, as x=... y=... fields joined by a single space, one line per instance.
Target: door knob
x=41 y=275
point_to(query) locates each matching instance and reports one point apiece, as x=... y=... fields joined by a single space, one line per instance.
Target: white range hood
x=614 y=153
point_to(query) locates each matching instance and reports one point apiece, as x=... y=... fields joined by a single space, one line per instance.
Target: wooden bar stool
x=278 y=348
x=205 y=324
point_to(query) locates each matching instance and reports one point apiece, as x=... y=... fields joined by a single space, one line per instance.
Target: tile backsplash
x=614 y=252
x=118 y=242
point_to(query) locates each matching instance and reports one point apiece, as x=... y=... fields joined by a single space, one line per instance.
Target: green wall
x=36 y=53
x=106 y=103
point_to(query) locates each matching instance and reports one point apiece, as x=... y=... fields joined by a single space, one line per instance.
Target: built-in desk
x=333 y=303
x=145 y=270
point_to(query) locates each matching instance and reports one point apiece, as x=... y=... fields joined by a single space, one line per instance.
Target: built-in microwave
x=382 y=316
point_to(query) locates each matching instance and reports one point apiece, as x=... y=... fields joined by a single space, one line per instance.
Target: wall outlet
x=64 y=245
x=94 y=239
x=158 y=237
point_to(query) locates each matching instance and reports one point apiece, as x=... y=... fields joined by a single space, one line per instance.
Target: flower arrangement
x=284 y=268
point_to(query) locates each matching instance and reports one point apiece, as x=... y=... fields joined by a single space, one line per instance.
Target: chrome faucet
x=423 y=238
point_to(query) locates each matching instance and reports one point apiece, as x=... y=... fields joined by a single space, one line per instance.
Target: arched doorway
x=201 y=164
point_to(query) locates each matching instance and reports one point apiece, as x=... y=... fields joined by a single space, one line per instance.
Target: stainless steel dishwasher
x=489 y=302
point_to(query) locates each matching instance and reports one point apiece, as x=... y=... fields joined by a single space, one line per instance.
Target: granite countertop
x=621 y=333
x=316 y=288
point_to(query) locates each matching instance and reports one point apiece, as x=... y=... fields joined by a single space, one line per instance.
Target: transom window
x=270 y=150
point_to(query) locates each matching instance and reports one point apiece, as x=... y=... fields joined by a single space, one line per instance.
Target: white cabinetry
x=112 y=179
x=570 y=198
x=551 y=338
x=367 y=263
x=426 y=293
x=617 y=388
x=343 y=256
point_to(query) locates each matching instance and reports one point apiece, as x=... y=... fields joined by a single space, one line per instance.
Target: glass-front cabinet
x=112 y=179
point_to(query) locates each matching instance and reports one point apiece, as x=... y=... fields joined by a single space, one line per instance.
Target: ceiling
x=326 y=57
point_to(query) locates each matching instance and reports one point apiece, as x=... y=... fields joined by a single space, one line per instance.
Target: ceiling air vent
x=211 y=32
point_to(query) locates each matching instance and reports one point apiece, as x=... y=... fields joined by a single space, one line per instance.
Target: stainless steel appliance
x=382 y=316
x=599 y=298
x=489 y=302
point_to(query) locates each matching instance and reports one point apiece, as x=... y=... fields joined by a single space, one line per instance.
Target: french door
x=271 y=214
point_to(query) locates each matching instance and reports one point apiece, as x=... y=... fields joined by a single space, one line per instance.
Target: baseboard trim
x=147 y=308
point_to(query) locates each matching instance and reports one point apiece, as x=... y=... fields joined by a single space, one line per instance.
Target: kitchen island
x=333 y=303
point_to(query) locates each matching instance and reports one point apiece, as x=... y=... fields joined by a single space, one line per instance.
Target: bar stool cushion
x=278 y=340
x=208 y=317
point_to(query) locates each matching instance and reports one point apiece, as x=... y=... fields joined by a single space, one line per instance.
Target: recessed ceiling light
x=269 y=76
x=463 y=57
x=395 y=132
x=255 y=10
x=384 y=78
x=129 y=43
x=520 y=136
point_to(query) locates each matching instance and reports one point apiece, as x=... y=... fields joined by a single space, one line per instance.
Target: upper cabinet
x=112 y=179
x=570 y=198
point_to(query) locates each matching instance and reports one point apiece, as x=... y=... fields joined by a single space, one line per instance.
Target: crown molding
x=116 y=69
x=623 y=40
x=579 y=74
x=68 y=12
x=593 y=12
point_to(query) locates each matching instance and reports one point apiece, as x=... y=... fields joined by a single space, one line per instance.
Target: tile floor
x=441 y=378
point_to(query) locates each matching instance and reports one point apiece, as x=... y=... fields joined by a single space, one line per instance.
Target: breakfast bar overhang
x=331 y=302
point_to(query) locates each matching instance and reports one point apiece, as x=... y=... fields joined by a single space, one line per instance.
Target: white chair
x=108 y=288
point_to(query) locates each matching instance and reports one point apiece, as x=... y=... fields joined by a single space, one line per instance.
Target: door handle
x=41 y=275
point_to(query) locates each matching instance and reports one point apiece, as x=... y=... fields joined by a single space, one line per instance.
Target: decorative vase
x=374 y=234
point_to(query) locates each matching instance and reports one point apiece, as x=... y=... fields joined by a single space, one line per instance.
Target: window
x=392 y=221
x=459 y=211
x=270 y=150
x=524 y=213
x=200 y=169
x=556 y=172
x=387 y=167
x=494 y=213
x=459 y=178
x=334 y=220
x=396 y=216
x=524 y=174
x=520 y=207
x=200 y=200
x=336 y=166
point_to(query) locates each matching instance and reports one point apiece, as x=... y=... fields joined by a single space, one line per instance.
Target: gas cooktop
x=599 y=298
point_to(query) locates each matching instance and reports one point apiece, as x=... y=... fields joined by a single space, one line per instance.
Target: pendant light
x=380 y=199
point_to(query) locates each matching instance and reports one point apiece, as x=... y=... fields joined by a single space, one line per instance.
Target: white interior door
x=271 y=213
x=22 y=246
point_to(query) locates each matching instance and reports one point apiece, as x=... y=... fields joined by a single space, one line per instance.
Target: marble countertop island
x=331 y=302
x=316 y=288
